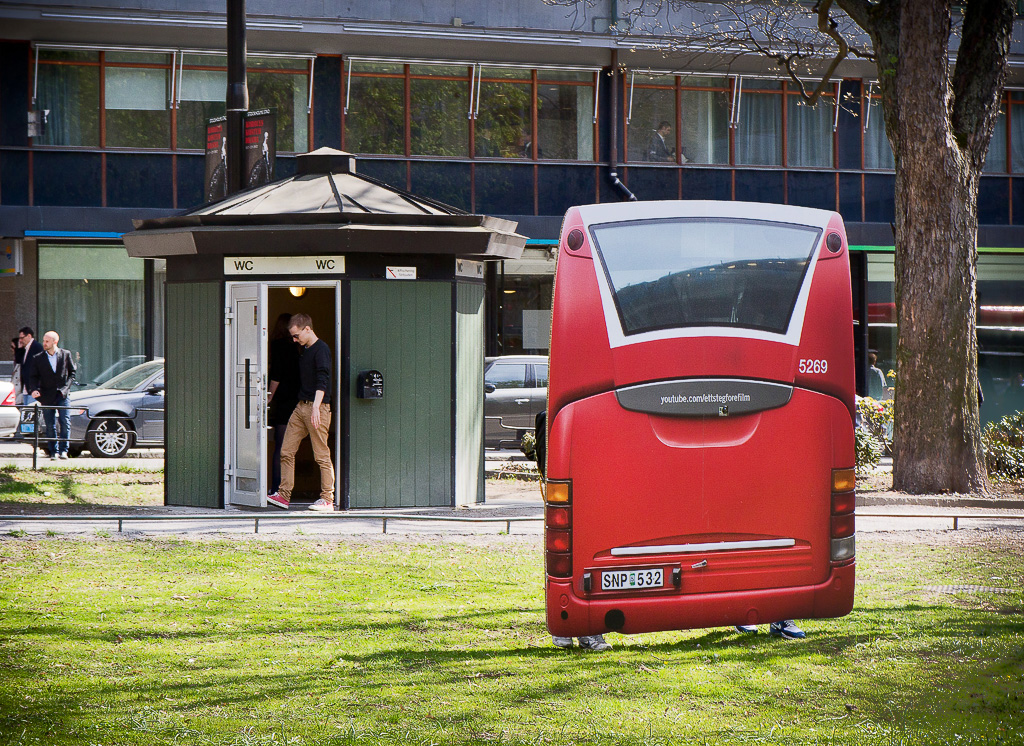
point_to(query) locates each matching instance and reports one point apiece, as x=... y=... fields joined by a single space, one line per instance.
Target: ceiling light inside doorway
x=298 y=292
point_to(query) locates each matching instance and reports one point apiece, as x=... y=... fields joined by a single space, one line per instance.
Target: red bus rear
x=700 y=446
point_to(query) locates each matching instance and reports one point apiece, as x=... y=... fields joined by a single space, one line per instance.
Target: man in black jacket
x=49 y=381
x=29 y=349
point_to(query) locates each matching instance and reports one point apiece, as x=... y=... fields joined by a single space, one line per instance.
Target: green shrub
x=876 y=418
x=869 y=449
x=1004 y=446
x=528 y=445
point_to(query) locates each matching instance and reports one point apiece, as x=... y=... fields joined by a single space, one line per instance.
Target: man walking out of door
x=312 y=416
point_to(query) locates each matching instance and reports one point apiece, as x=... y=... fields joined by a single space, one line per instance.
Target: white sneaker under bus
x=322 y=506
x=595 y=643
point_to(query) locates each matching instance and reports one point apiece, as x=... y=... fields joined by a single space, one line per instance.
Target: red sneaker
x=277 y=501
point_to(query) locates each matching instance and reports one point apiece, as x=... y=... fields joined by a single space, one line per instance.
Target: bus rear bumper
x=571 y=616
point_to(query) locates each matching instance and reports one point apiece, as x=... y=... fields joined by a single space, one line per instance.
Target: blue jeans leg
x=63 y=425
x=49 y=419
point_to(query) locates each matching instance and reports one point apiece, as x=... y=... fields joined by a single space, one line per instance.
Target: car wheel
x=109 y=438
x=75 y=451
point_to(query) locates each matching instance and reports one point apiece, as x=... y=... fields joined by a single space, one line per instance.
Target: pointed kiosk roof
x=326 y=208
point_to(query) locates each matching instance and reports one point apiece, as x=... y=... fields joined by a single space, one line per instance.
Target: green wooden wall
x=195 y=328
x=469 y=393
x=400 y=447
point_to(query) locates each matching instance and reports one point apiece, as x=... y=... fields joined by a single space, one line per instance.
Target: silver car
x=515 y=391
x=127 y=412
x=8 y=412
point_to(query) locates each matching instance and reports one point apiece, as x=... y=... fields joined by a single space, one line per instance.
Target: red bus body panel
x=668 y=491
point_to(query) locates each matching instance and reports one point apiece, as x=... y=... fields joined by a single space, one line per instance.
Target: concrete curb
x=938 y=501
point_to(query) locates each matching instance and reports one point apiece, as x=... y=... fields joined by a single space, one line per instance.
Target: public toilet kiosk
x=394 y=284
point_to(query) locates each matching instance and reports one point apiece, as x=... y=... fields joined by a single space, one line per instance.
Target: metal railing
x=37 y=423
x=383 y=517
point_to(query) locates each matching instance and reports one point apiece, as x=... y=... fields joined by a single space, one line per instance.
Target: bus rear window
x=704 y=272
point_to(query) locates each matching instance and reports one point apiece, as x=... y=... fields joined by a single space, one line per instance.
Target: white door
x=246 y=470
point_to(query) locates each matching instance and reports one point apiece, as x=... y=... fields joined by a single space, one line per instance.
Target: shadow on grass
x=10 y=484
x=498 y=675
x=67 y=488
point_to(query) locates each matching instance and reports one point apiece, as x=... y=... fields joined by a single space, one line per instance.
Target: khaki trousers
x=299 y=426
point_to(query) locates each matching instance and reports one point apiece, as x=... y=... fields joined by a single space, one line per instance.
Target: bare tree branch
x=987 y=32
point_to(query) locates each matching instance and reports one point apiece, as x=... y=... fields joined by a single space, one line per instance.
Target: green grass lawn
x=169 y=642
x=66 y=485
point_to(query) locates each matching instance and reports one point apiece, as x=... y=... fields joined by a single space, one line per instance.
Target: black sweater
x=315 y=372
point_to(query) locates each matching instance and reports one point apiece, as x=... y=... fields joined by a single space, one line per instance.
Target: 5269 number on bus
x=813 y=366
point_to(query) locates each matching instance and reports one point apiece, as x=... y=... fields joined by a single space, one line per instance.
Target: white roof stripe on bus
x=710 y=546
x=787 y=214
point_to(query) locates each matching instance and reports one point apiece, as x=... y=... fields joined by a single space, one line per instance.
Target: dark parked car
x=127 y=411
x=515 y=390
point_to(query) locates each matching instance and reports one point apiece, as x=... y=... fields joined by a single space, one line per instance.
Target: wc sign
x=284 y=265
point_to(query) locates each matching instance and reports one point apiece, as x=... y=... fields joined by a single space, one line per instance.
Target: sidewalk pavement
x=505 y=498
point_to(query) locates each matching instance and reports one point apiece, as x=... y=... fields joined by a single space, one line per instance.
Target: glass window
x=877 y=151
x=651 y=131
x=288 y=96
x=759 y=133
x=94 y=297
x=503 y=122
x=439 y=110
x=540 y=373
x=565 y=117
x=809 y=132
x=159 y=303
x=882 y=311
x=138 y=113
x=202 y=98
x=695 y=272
x=506 y=375
x=704 y=128
x=1016 y=134
x=71 y=92
x=995 y=160
x=375 y=122
x=132 y=377
x=1001 y=335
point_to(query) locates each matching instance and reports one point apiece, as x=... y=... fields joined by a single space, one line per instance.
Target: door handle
x=522 y=401
x=247 y=387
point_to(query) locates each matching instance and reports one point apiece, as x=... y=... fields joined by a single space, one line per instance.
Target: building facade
x=517 y=110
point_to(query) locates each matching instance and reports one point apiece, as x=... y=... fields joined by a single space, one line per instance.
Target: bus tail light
x=558 y=517
x=558 y=540
x=558 y=529
x=843 y=480
x=8 y=400
x=843 y=524
x=559 y=492
x=843 y=502
x=559 y=565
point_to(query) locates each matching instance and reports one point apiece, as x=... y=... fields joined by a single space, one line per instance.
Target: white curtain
x=809 y=132
x=759 y=134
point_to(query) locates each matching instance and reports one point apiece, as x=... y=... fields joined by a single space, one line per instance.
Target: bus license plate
x=627 y=580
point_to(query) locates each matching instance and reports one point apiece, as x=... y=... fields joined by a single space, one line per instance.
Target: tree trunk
x=937 y=439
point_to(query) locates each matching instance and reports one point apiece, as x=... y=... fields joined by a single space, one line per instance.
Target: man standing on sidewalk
x=49 y=381
x=30 y=348
x=312 y=416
